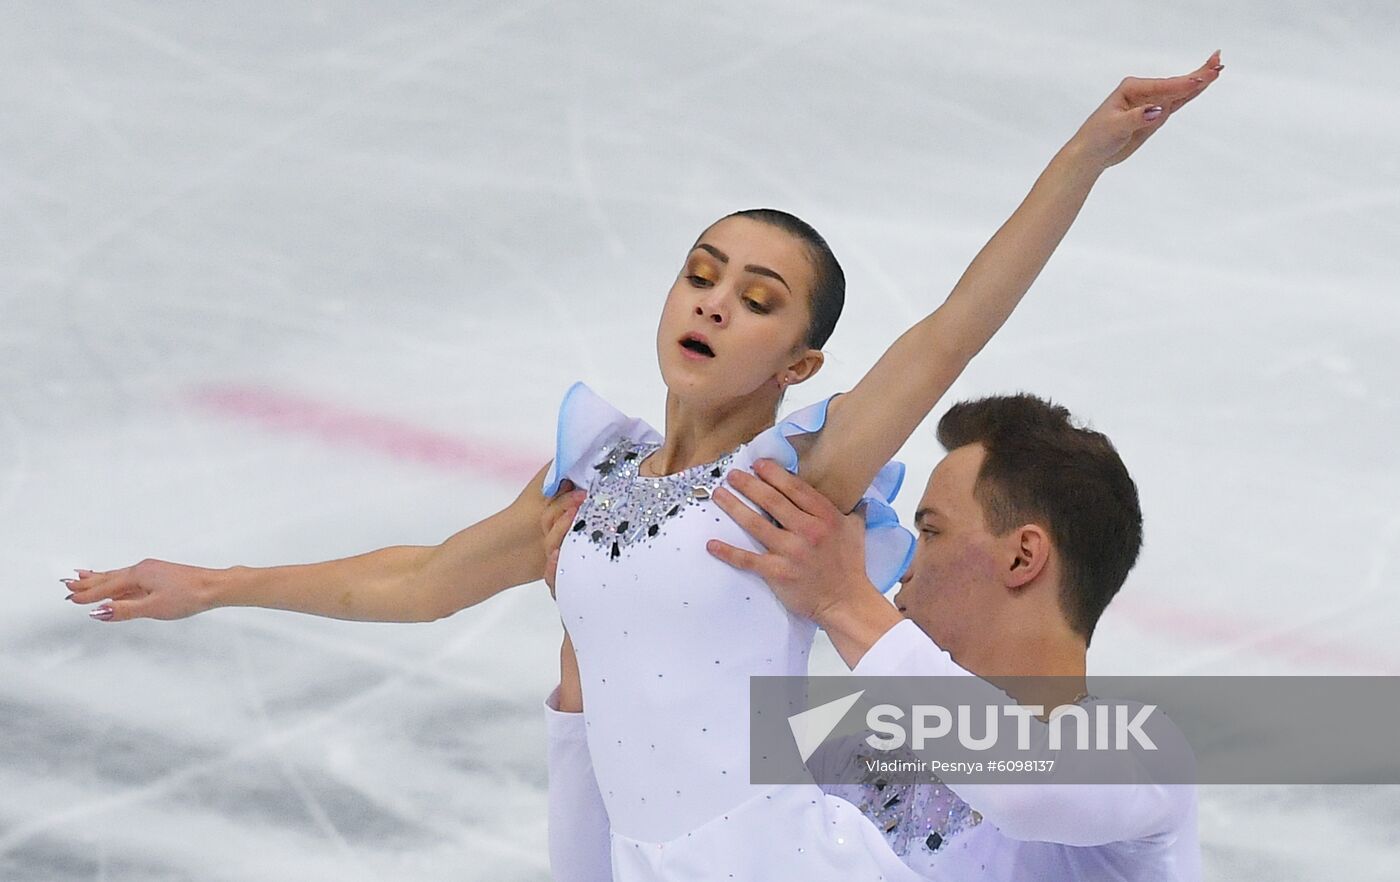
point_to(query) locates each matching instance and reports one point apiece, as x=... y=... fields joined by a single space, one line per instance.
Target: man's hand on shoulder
x=814 y=559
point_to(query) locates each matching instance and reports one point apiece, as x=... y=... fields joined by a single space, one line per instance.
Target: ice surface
x=427 y=220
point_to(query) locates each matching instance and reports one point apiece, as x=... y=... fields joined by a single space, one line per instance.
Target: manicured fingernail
x=68 y=581
x=1218 y=67
x=102 y=614
x=69 y=597
x=1152 y=113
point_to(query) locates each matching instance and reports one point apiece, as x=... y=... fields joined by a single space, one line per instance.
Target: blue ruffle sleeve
x=587 y=426
x=889 y=547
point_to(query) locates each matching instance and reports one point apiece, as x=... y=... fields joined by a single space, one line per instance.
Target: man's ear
x=805 y=368
x=1030 y=553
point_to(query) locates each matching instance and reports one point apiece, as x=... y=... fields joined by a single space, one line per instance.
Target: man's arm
x=815 y=565
x=1079 y=814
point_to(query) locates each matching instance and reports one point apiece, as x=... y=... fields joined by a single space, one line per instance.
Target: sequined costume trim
x=625 y=507
x=589 y=428
x=912 y=816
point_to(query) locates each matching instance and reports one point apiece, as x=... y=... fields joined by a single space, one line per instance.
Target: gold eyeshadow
x=762 y=296
x=700 y=268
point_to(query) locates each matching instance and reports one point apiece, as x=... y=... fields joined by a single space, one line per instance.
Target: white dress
x=667 y=637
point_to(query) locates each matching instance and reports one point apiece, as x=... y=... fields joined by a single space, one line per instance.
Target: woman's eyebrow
x=752 y=268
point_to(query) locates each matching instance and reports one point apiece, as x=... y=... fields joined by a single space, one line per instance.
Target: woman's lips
x=695 y=347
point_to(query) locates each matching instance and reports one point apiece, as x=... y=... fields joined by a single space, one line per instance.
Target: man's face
x=957 y=570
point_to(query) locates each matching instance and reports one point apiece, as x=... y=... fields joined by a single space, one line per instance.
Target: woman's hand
x=555 y=522
x=151 y=589
x=1136 y=109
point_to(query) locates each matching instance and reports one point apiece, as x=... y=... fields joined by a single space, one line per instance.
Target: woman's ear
x=804 y=369
x=1030 y=555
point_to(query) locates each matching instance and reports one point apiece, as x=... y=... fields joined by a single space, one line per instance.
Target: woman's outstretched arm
x=868 y=425
x=402 y=583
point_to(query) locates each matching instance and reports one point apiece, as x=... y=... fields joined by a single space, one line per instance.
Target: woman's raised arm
x=402 y=583
x=868 y=425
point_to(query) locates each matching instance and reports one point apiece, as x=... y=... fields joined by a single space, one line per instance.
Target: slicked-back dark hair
x=1040 y=468
x=829 y=284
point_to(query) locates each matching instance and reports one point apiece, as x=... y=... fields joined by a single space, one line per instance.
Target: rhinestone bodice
x=625 y=507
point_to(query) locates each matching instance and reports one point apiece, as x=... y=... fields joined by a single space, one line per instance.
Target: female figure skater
x=654 y=715
x=643 y=601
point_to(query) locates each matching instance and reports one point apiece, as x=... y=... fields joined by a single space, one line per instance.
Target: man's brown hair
x=1041 y=468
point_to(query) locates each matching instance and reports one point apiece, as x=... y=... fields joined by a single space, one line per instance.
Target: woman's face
x=735 y=321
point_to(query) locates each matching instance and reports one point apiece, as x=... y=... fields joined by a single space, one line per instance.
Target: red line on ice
x=343 y=427
x=1225 y=628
